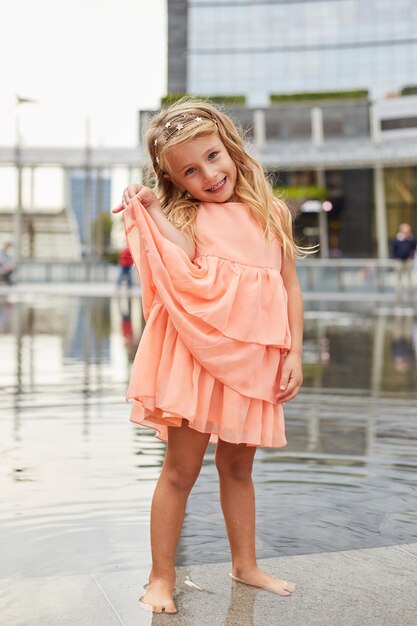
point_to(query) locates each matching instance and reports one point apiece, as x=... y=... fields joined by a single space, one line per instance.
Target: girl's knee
x=182 y=476
x=237 y=466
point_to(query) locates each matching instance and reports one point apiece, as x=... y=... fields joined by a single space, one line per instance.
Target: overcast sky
x=102 y=59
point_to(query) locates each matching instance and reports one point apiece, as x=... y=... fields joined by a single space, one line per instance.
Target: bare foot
x=258 y=578
x=158 y=597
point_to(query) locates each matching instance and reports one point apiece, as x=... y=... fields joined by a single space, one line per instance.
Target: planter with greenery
x=279 y=98
x=238 y=100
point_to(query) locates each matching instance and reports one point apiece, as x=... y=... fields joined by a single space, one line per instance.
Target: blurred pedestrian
x=125 y=264
x=403 y=250
x=334 y=247
x=6 y=264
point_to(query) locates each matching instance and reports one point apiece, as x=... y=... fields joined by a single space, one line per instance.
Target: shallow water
x=77 y=477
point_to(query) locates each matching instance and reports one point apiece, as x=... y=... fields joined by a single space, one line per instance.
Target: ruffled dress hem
x=145 y=413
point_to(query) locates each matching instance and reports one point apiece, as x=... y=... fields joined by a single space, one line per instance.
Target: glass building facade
x=94 y=192
x=256 y=48
x=366 y=160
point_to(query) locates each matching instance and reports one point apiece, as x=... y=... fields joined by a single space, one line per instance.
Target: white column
x=259 y=131
x=322 y=217
x=317 y=134
x=380 y=213
x=18 y=216
x=32 y=188
x=133 y=175
x=374 y=124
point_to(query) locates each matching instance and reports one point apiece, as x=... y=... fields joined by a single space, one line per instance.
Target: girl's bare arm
x=292 y=374
x=153 y=206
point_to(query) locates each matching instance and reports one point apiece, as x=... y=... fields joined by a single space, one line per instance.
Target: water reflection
x=241 y=608
x=373 y=352
x=78 y=476
x=69 y=342
x=130 y=340
x=403 y=349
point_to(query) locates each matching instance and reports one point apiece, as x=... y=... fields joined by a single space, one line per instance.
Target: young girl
x=221 y=351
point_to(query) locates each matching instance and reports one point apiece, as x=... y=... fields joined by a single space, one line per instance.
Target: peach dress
x=216 y=328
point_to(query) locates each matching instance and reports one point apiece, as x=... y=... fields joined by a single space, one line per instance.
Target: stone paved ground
x=373 y=587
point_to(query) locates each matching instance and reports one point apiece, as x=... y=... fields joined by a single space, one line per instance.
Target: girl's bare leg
x=182 y=464
x=234 y=463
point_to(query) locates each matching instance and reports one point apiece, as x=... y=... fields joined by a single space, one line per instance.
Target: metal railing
x=364 y=276
x=64 y=272
x=361 y=276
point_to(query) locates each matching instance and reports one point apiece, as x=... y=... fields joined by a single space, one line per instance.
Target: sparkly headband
x=177 y=128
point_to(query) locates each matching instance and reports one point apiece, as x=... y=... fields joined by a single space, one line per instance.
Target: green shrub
x=409 y=90
x=301 y=193
x=228 y=100
x=319 y=95
x=101 y=229
x=171 y=98
x=111 y=257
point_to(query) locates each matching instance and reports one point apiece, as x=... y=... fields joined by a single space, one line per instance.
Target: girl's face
x=203 y=167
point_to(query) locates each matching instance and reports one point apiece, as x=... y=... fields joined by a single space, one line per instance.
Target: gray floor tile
x=123 y=590
x=62 y=601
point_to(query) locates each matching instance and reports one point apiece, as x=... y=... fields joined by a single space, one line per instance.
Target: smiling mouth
x=218 y=185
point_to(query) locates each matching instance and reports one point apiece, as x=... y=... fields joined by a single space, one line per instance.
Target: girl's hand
x=291 y=377
x=145 y=195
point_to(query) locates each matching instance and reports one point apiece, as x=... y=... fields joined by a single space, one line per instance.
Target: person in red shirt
x=125 y=264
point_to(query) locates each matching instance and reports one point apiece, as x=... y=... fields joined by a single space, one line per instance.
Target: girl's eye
x=190 y=170
x=212 y=155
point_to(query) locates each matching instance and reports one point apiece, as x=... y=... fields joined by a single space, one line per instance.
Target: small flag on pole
x=20 y=100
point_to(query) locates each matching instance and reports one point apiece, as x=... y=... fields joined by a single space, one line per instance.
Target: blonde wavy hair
x=189 y=118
